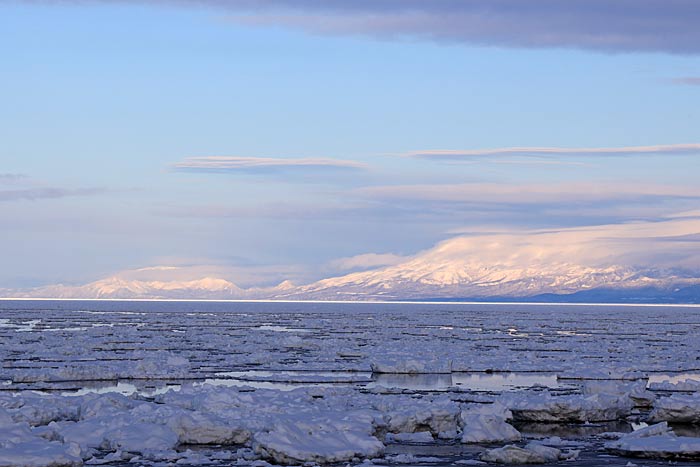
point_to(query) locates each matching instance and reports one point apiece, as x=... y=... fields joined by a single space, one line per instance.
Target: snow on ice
x=199 y=384
x=656 y=441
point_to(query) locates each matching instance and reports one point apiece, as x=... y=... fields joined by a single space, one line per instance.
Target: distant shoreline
x=351 y=302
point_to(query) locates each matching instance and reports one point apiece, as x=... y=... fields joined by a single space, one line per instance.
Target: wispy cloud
x=440 y=207
x=529 y=193
x=34 y=194
x=11 y=177
x=688 y=80
x=668 y=149
x=695 y=213
x=235 y=164
x=604 y=25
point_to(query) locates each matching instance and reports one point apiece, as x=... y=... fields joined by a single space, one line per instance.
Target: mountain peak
x=475 y=267
x=487 y=266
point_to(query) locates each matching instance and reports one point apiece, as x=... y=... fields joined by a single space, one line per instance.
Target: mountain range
x=460 y=268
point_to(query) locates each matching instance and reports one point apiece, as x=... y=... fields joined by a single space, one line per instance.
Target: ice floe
x=487 y=424
x=687 y=385
x=535 y=452
x=678 y=408
x=656 y=441
x=411 y=366
x=569 y=408
x=512 y=454
x=442 y=377
x=324 y=441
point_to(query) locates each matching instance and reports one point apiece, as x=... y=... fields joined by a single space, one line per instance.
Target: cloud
x=530 y=193
x=670 y=243
x=668 y=26
x=693 y=213
x=34 y=194
x=279 y=210
x=670 y=149
x=437 y=208
x=367 y=261
x=262 y=165
x=11 y=178
x=601 y=25
x=688 y=80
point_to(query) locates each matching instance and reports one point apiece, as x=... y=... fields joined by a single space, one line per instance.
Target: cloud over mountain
x=661 y=255
x=524 y=264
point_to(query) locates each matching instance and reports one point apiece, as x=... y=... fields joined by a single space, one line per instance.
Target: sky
x=275 y=139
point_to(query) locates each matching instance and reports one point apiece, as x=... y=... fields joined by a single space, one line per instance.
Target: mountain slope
x=207 y=288
x=478 y=267
x=117 y=287
x=469 y=267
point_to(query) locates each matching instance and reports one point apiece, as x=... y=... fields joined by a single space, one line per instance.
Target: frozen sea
x=258 y=383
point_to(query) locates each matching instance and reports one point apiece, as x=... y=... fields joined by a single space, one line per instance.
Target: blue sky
x=103 y=101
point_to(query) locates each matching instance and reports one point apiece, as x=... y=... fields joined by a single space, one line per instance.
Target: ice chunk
x=487 y=424
x=11 y=432
x=678 y=408
x=635 y=390
x=511 y=454
x=41 y=409
x=112 y=403
x=689 y=385
x=656 y=441
x=200 y=428
x=411 y=366
x=574 y=408
x=40 y=453
x=436 y=417
x=87 y=434
x=21 y=447
x=323 y=441
x=141 y=437
x=548 y=453
x=532 y=453
x=487 y=429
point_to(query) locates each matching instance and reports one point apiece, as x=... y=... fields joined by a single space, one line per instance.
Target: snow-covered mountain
x=413 y=280
x=207 y=288
x=471 y=267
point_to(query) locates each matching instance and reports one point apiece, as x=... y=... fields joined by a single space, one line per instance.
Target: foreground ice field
x=186 y=383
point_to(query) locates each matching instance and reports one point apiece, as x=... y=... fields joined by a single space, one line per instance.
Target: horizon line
x=363 y=302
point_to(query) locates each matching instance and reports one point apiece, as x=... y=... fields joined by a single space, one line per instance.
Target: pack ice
x=354 y=384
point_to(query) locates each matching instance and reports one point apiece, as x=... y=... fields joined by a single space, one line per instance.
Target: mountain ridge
x=474 y=268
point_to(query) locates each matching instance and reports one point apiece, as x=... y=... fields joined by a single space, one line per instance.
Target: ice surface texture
x=54 y=341
x=62 y=345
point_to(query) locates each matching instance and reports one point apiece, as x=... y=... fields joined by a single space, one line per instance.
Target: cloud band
x=671 y=149
x=668 y=26
x=233 y=164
